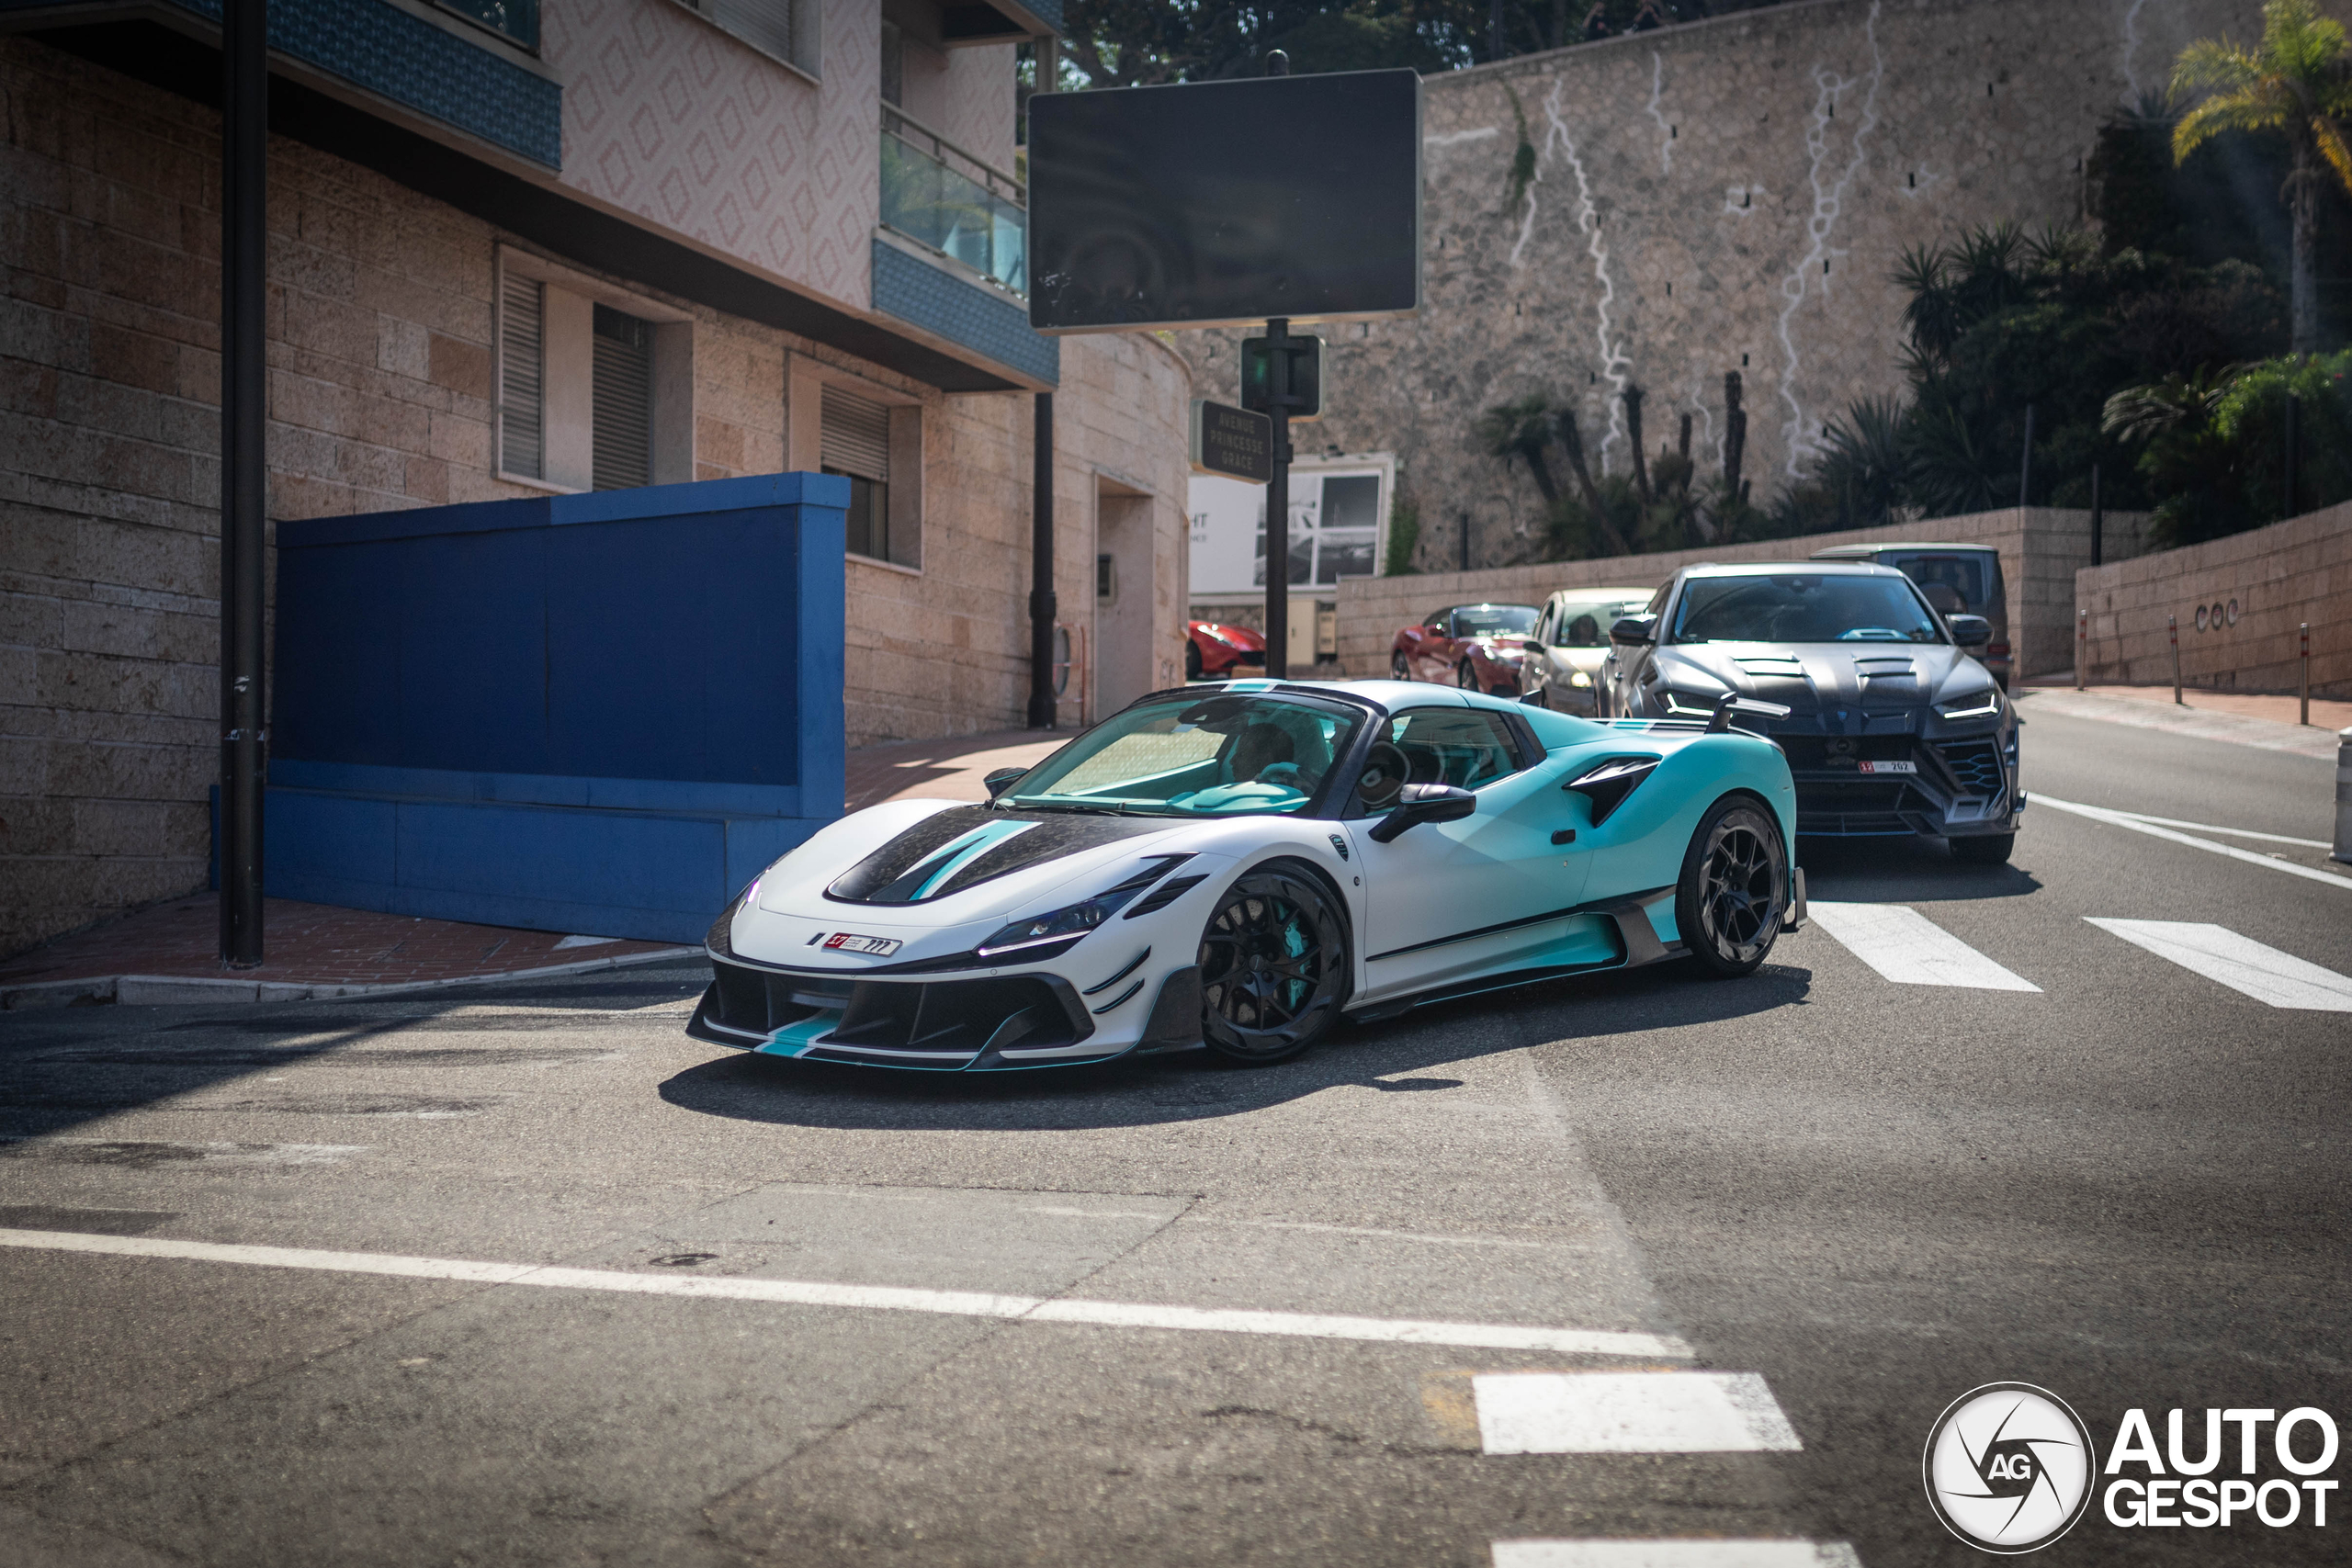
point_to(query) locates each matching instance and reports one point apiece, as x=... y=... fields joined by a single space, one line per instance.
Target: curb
x=2202 y=724
x=165 y=990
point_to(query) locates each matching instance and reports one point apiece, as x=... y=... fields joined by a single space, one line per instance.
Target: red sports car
x=1216 y=651
x=1476 y=646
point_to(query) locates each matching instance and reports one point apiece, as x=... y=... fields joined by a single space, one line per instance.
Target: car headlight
x=1580 y=680
x=1976 y=705
x=1682 y=704
x=1063 y=927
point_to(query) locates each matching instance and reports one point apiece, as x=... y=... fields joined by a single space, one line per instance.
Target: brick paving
x=949 y=768
x=307 y=945
x=317 y=945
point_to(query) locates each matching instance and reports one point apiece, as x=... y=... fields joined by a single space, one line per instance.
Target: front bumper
x=983 y=1023
x=1965 y=786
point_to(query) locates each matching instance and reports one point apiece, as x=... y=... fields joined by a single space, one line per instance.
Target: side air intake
x=1607 y=783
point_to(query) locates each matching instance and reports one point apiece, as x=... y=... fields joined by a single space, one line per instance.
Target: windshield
x=1224 y=755
x=1802 y=607
x=1951 y=582
x=1585 y=623
x=1494 y=620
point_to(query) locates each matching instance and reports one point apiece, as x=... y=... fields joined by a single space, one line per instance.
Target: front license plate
x=1890 y=767
x=850 y=941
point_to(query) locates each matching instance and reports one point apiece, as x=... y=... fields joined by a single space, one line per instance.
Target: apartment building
x=523 y=247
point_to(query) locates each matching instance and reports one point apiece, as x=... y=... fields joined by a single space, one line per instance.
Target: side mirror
x=1633 y=631
x=1532 y=647
x=1970 y=631
x=1423 y=803
x=1002 y=779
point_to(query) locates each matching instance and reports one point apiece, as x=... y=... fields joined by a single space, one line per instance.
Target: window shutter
x=785 y=28
x=623 y=401
x=856 y=434
x=522 y=439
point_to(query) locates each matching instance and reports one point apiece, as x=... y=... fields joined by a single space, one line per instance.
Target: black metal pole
x=1494 y=31
x=1278 y=500
x=1465 y=541
x=2098 y=518
x=1041 y=572
x=2294 y=448
x=244 y=150
x=2025 y=463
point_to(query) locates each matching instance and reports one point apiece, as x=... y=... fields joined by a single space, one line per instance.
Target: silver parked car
x=1562 y=671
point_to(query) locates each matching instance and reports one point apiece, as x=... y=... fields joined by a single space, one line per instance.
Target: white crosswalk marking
x=1906 y=947
x=2240 y=963
x=1675 y=1554
x=1629 y=1413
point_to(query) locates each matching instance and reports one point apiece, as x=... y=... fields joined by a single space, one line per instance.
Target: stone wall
x=2267 y=582
x=1731 y=194
x=380 y=388
x=2040 y=547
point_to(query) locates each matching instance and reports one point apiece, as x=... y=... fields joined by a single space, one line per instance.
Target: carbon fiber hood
x=1813 y=679
x=966 y=845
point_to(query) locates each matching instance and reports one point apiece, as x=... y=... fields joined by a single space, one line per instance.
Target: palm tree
x=2295 y=82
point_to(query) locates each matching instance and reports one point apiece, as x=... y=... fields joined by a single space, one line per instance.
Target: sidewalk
x=171 y=952
x=2242 y=718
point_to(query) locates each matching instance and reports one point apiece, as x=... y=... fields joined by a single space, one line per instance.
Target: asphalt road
x=1791 y=1217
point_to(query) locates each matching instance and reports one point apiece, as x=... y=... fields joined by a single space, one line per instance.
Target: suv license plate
x=1889 y=767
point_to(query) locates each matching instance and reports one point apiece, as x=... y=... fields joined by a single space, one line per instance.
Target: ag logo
x=2008 y=1467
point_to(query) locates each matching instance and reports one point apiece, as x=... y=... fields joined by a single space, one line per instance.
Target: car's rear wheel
x=1273 y=966
x=1984 y=849
x=1735 y=885
x=1399 y=670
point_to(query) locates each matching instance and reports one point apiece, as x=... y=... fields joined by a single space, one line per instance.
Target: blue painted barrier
x=588 y=713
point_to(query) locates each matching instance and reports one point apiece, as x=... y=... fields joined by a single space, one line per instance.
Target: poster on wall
x=1338 y=508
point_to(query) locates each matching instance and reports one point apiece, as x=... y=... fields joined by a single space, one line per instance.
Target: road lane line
x=886 y=1298
x=2211 y=827
x=1675 y=1554
x=1629 y=1413
x=1910 y=949
x=2241 y=964
x=2122 y=819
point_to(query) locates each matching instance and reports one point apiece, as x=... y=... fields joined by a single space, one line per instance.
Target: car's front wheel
x=1192 y=659
x=1735 y=885
x=1273 y=966
x=1465 y=677
x=1984 y=849
x=1399 y=670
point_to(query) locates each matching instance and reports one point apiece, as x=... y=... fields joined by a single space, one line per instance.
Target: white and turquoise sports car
x=1239 y=867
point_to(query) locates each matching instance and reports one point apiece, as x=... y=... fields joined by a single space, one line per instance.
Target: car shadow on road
x=1394 y=1056
x=1902 y=871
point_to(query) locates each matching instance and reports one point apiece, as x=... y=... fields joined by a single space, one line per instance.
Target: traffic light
x=1306 y=375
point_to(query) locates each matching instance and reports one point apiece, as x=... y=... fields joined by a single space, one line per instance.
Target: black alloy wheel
x=1399 y=670
x=1465 y=677
x=1273 y=966
x=1735 y=885
x=1192 y=659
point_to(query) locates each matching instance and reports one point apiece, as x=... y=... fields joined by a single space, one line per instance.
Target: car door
x=1431 y=658
x=1448 y=901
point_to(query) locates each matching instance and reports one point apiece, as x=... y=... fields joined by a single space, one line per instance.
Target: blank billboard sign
x=1221 y=203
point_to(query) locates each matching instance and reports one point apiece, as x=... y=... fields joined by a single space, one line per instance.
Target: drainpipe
x=1041 y=532
x=244 y=149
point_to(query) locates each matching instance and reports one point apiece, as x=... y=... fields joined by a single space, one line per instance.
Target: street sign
x=1233 y=441
x=1306 y=375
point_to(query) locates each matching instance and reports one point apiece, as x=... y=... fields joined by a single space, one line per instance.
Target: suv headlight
x=1976 y=705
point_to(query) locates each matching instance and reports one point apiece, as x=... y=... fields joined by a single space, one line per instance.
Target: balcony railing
x=941 y=198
